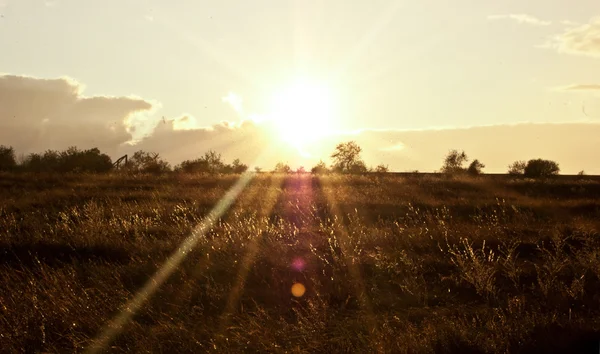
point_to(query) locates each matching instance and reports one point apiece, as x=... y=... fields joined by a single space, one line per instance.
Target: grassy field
x=388 y=263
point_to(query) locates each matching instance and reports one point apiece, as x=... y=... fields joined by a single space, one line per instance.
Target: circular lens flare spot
x=298 y=264
x=298 y=290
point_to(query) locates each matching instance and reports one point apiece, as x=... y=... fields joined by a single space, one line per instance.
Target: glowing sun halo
x=302 y=112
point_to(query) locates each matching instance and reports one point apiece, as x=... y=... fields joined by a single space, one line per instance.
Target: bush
x=517 y=168
x=320 y=168
x=8 y=161
x=70 y=160
x=212 y=163
x=453 y=162
x=146 y=162
x=280 y=167
x=541 y=168
x=381 y=168
x=475 y=168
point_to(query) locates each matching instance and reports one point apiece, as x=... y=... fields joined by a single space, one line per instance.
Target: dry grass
x=390 y=264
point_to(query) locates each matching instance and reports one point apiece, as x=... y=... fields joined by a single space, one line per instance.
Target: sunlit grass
x=301 y=264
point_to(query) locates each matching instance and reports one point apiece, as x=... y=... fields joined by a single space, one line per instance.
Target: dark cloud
x=38 y=114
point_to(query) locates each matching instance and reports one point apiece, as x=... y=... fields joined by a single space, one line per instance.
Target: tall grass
x=389 y=264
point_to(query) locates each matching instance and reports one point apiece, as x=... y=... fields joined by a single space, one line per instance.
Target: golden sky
x=91 y=73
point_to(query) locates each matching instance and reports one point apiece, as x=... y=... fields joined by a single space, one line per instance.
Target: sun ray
x=355 y=273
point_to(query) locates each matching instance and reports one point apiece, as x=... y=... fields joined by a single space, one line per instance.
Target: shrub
x=7 y=158
x=475 y=168
x=541 y=168
x=517 y=168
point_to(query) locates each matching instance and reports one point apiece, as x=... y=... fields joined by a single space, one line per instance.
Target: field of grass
x=389 y=264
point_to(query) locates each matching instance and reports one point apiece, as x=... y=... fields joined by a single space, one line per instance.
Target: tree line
x=346 y=159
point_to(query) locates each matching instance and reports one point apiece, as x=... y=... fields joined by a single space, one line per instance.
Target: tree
x=143 y=161
x=320 y=168
x=453 y=163
x=300 y=170
x=381 y=168
x=346 y=158
x=257 y=169
x=280 y=167
x=8 y=161
x=239 y=167
x=541 y=168
x=475 y=168
x=517 y=168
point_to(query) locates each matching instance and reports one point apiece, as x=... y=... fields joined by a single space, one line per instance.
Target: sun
x=303 y=111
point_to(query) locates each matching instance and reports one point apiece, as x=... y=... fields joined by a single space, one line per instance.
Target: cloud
x=149 y=18
x=395 y=147
x=521 y=18
x=38 y=114
x=573 y=145
x=579 y=87
x=235 y=101
x=580 y=40
x=569 y=23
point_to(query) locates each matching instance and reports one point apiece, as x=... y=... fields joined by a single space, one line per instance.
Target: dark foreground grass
x=389 y=263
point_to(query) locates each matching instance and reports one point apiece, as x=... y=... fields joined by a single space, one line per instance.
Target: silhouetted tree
x=146 y=162
x=346 y=158
x=8 y=161
x=193 y=166
x=541 y=168
x=70 y=160
x=453 y=163
x=280 y=167
x=517 y=168
x=475 y=168
x=257 y=169
x=239 y=167
x=300 y=170
x=320 y=168
x=381 y=168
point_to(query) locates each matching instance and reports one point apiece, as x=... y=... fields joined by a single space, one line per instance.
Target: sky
x=503 y=80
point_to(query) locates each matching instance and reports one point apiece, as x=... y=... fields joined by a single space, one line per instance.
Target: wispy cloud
x=579 y=87
x=521 y=18
x=581 y=40
x=395 y=147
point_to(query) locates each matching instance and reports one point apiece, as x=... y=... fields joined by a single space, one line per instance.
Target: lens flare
x=298 y=290
x=298 y=264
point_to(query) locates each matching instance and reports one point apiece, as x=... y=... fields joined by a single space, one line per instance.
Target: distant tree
x=70 y=160
x=280 y=167
x=239 y=167
x=213 y=159
x=381 y=168
x=581 y=173
x=320 y=168
x=346 y=158
x=8 y=160
x=541 y=168
x=300 y=170
x=147 y=162
x=517 y=168
x=193 y=166
x=453 y=162
x=475 y=168
x=359 y=167
x=257 y=169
